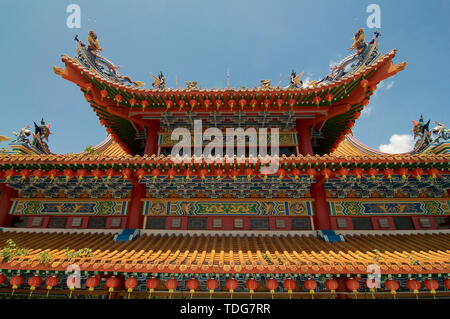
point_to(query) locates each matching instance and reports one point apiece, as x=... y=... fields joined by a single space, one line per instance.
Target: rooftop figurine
x=89 y=57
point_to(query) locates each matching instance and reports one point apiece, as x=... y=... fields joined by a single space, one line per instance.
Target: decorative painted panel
x=410 y=207
x=91 y=208
x=228 y=208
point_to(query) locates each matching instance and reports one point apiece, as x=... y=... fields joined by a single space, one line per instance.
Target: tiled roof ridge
x=321 y=86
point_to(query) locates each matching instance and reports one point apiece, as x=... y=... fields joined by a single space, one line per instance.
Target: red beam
x=5 y=204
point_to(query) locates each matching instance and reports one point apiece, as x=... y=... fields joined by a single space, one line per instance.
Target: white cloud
x=398 y=143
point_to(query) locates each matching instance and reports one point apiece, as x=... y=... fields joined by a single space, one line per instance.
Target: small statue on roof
x=295 y=80
x=422 y=133
x=89 y=56
x=191 y=85
x=265 y=84
x=159 y=82
x=23 y=136
x=441 y=131
x=40 y=136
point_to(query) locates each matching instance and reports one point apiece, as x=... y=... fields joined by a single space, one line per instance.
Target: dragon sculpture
x=88 y=55
x=39 y=138
x=365 y=54
x=424 y=136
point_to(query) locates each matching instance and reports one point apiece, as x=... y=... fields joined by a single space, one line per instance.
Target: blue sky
x=199 y=40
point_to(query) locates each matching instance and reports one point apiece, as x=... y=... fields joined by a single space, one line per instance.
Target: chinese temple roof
x=221 y=253
x=332 y=107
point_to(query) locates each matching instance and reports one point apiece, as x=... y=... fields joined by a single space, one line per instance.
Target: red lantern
x=329 y=97
x=364 y=83
x=431 y=284
x=188 y=173
x=193 y=103
x=169 y=104
x=311 y=172
x=272 y=284
x=251 y=285
x=155 y=173
x=311 y=285
x=192 y=284
x=203 y=173
x=103 y=93
x=295 y=172
x=266 y=103
x=152 y=284
x=2 y=279
x=218 y=173
x=331 y=285
x=132 y=102
x=242 y=103
x=231 y=284
x=212 y=285
x=144 y=104
x=418 y=172
x=126 y=173
x=171 y=284
x=118 y=98
x=353 y=285
x=130 y=284
x=24 y=173
x=234 y=173
x=447 y=283
x=433 y=172
x=392 y=285
x=37 y=174
x=51 y=282
x=231 y=104
x=291 y=102
x=140 y=173
x=15 y=282
x=207 y=103
x=326 y=172
x=317 y=100
x=413 y=285
x=249 y=172
x=290 y=285
x=218 y=104
x=171 y=173
x=92 y=282
x=34 y=282
x=112 y=283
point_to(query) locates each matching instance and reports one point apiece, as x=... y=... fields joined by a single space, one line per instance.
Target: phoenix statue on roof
x=88 y=55
x=424 y=135
x=39 y=141
x=365 y=54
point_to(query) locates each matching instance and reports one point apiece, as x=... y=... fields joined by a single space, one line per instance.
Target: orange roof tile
x=193 y=253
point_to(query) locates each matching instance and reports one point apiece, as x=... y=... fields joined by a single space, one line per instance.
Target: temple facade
x=129 y=219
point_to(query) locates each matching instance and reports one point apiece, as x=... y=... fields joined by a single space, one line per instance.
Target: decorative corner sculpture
x=38 y=144
x=88 y=55
x=424 y=136
x=159 y=82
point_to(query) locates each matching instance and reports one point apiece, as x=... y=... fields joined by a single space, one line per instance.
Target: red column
x=304 y=137
x=5 y=204
x=151 y=143
x=135 y=217
x=322 y=219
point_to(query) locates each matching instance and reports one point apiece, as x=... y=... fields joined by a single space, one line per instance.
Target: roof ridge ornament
x=88 y=55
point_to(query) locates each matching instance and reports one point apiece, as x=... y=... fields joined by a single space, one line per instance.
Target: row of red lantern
x=233 y=173
x=232 y=284
x=217 y=104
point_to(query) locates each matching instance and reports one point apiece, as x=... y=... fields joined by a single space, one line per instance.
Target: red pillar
x=322 y=219
x=135 y=217
x=151 y=142
x=5 y=204
x=304 y=137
